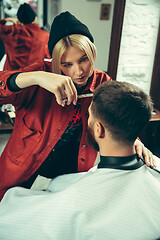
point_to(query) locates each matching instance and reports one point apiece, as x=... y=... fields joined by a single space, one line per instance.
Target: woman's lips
x=80 y=79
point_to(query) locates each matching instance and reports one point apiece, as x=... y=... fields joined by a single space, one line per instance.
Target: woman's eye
x=84 y=59
x=67 y=65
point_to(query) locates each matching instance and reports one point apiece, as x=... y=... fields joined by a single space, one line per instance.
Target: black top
x=125 y=163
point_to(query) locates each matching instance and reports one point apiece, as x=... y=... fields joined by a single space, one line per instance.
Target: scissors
x=81 y=96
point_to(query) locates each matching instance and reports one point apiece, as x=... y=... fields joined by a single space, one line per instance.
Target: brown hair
x=123 y=109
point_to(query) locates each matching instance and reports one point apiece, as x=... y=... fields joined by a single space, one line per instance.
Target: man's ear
x=100 y=130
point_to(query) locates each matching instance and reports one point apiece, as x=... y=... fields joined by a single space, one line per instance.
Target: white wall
x=89 y=13
x=139 y=37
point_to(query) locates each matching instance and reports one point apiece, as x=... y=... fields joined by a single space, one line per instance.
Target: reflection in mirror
x=10 y=6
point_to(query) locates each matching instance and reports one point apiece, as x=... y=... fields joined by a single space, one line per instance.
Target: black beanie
x=25 y=14
x=63 y=25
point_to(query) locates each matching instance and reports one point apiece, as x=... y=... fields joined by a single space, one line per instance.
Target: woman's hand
x=61 y=86
x=11 y=19
x=143 y=151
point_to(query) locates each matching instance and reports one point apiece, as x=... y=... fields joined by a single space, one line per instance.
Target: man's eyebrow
x=85 y=55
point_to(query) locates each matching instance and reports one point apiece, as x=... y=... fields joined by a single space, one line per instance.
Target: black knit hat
x=25 y=14
x=63 y=25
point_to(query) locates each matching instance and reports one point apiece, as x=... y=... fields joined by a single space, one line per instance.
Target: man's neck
x=117 y=149
x=117 y=154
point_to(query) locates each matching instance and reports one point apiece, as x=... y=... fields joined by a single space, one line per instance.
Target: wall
x=89 y=13
x=139 y=36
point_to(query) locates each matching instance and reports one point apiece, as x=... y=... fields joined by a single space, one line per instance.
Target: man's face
x=90 y=132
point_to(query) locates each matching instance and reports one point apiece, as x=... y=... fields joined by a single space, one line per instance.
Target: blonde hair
x=76 y=40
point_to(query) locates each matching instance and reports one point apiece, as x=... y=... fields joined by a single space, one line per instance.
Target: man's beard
x=91 y=139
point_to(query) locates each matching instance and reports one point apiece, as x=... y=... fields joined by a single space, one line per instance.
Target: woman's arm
x=61 y=86
x=11 y=19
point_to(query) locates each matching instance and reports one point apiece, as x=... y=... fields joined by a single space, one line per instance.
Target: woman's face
x=76 y=65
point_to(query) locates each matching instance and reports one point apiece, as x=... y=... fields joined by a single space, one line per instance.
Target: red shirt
x=24 y=44
x=40 y=122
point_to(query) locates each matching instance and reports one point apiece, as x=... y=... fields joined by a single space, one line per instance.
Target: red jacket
x=24 y=44
x=39 y=124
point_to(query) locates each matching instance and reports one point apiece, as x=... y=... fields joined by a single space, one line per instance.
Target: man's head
x=25 y=14
x=121 y=108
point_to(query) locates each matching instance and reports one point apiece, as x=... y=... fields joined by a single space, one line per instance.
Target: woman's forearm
x=28 y=79
x=61 y=86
